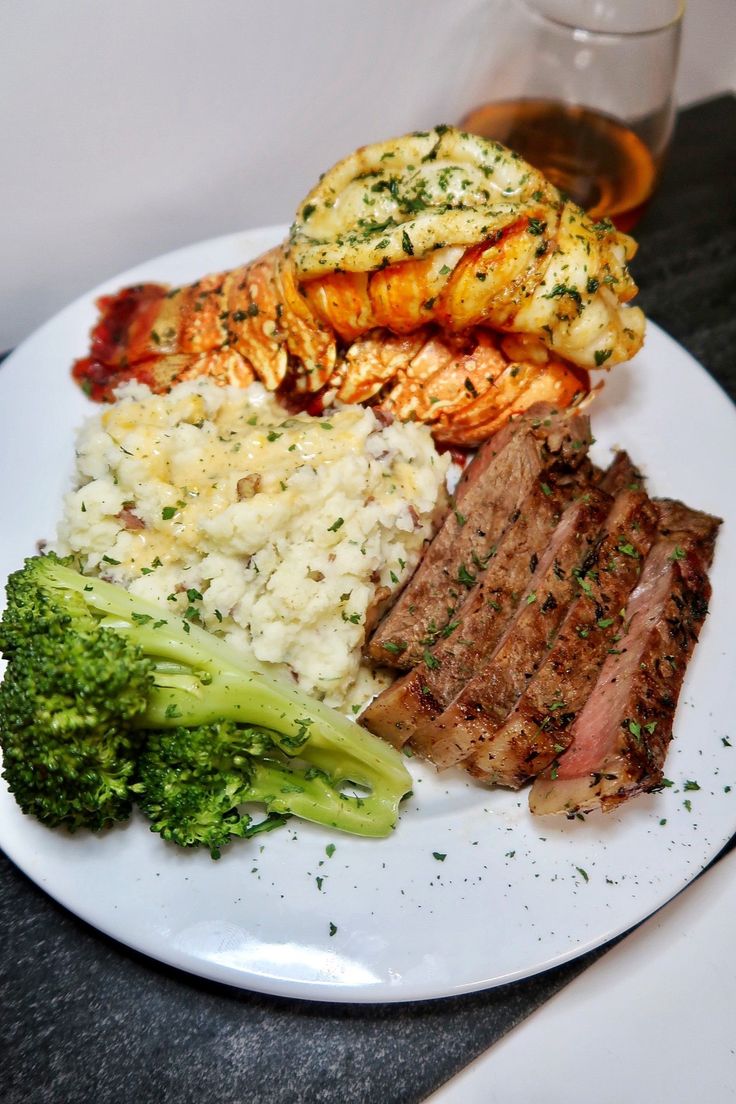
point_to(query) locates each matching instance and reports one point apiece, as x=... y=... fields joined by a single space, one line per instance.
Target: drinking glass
x=583 y=89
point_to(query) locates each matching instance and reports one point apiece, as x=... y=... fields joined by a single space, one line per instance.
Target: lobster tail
x=437 y=276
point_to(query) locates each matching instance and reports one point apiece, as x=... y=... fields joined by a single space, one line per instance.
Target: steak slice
x=500 y=678
x=538 y=728
x=621 y=475
x=621 y=736
x=690 y=530
x=450 y=660
x=488 y=496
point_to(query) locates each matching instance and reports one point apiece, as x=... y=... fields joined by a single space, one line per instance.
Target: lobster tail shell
x=437 y=276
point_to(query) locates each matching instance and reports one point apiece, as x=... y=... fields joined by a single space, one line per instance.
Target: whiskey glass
x=584 y=90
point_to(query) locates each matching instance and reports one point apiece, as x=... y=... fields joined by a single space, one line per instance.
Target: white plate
x=510 y=897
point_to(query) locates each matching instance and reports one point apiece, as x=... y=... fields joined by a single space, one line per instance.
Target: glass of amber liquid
x=584 y=90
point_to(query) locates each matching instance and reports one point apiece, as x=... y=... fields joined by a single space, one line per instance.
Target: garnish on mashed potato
x=278 y=532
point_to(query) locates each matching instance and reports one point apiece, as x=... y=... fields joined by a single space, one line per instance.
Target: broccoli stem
x=316 y=734
x=317 y=800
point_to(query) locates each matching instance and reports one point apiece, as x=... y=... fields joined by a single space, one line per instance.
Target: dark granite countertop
x=85 y=1019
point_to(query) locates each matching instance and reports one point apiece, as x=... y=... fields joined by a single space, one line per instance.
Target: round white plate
x=471 y=890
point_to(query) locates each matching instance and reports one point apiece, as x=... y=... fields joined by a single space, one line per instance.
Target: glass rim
x=563 y=25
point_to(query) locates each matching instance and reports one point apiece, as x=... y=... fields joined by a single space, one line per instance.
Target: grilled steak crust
x=684 y=526
x=451 y=656
x=538 y=728
x=484 y=702
x=621 y=736
x=621 y=475
x=487 y=498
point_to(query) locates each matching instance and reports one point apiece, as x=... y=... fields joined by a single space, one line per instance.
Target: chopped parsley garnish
x=430 y=661
x=560 y=290
x=251 y=311
x=587 y=588
x=465 y=577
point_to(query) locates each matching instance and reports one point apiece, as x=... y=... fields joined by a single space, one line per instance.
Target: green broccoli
x=107 y=700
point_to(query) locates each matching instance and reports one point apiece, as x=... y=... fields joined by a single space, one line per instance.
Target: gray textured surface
x=83 y=1019
x=86 y=1020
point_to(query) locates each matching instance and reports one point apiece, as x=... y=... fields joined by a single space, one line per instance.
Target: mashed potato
x=276 y=532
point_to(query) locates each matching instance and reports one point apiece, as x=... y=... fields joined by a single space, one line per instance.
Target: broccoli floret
x=192 y=780
x=108 y=699
x=69 y=705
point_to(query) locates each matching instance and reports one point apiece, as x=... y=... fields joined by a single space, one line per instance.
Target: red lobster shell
x=437 y=276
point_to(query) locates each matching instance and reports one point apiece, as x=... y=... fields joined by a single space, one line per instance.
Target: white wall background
x=131 y=127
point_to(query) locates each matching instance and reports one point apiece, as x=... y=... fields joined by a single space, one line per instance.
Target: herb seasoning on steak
x=489 y=494
x=621 y=736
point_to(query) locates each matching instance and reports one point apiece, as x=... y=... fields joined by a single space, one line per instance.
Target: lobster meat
x=436 y=276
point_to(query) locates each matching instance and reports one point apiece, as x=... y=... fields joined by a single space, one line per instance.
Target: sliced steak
x=451 y=658
x=500 y=679
x=621 y=475
x=538 y=729
x=487 y=500
x=683 y=526
x=621 y=736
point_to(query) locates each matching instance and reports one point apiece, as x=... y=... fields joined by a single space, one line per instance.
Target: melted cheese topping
x=408 y=196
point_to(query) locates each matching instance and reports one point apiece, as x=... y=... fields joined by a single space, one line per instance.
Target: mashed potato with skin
x=275 y=531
